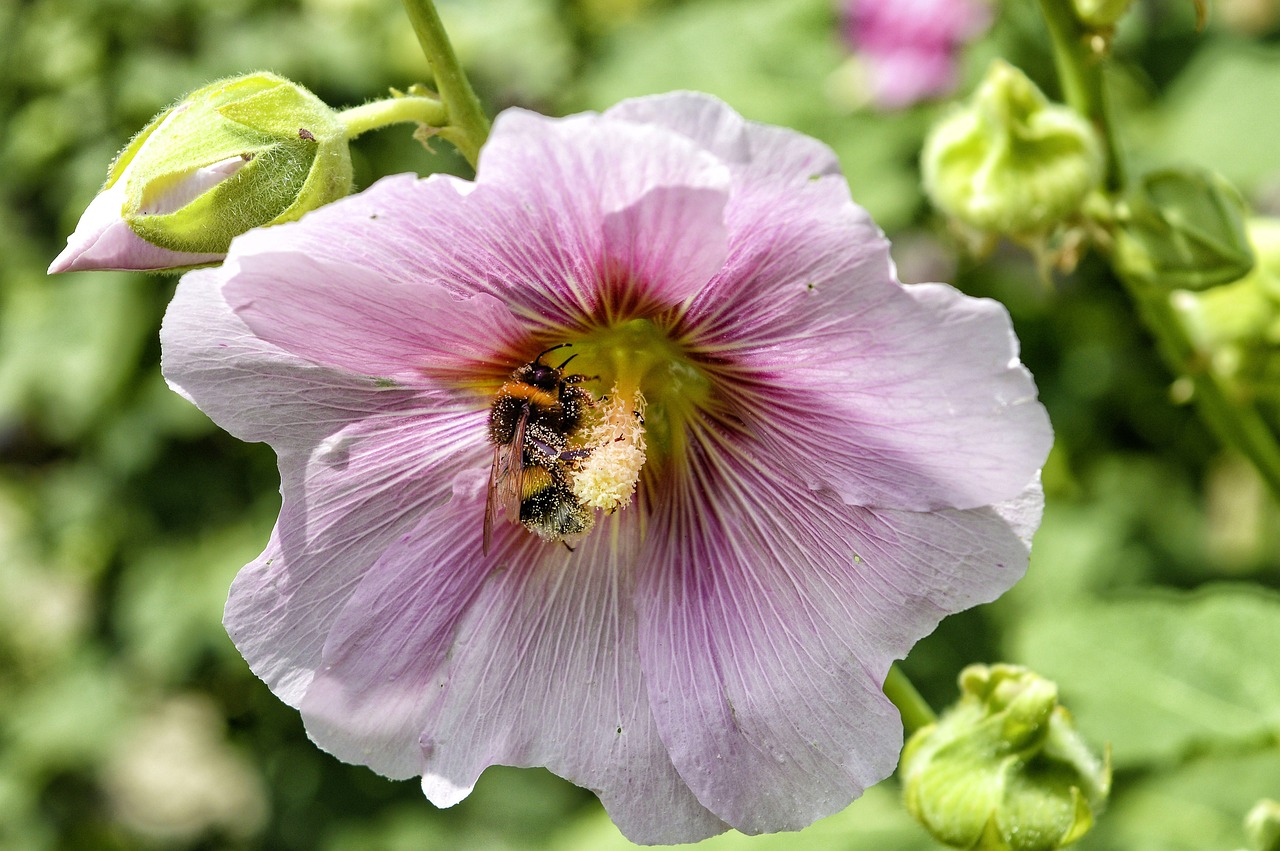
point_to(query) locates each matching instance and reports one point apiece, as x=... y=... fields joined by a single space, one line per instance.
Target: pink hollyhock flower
x=825 y=463
x=909 y=47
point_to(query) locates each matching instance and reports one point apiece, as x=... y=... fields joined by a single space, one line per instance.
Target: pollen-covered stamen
x=607 y=477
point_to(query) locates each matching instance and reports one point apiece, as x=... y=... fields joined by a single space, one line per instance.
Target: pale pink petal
x=893 y=396
x=662 y=249
x=254 y=389
x=339 y=314
x=360 y=462
x=905 y=77
x=410 y=233
x=550 y=259
x=756 y=152
x=178 y=193
x=907 y=397
x=387 y=642
x=344 y=505
x=795 y=253
x=765 y=638
x=103 y=241
x=659 y=196
x=543 y=670
x=911 y=47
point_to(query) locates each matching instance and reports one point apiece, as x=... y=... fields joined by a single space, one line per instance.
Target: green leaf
x=1161 y=675
x=1197 y=806
x=170 y=609
x=1216 y=114
x=67 y=347
x=1182 y=228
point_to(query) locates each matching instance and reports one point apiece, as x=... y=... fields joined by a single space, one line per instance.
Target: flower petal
x=338 y=314
x=897 y=397
x=757 y=152
x=251 y=388
x=359 y=465
x=903 y=77
x=769 y=616
x=444 y=665
x=660 y=199
x=103 y=241
x=171 y=195
x=344 y=504
x=546 y=248
x=915 y=400
x=385 y=646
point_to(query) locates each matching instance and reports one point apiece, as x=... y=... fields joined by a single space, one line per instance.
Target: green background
x=128 y=721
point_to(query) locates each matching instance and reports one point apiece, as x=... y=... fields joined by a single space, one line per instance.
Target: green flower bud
x=237 y=154
x=1100 y=14
x=1236 y=327
x=1244 y=312
x=1004 y=769
x=1182 y=229
x=1009 y=161
x=1262 y=826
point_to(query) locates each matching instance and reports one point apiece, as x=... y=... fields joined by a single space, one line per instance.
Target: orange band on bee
x=535 y=396
x=536 y=479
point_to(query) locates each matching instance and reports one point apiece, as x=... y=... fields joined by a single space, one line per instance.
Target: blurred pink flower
x=835 y=462
x=910 y=47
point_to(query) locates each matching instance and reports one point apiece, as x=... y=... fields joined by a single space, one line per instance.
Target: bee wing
x=506 y=483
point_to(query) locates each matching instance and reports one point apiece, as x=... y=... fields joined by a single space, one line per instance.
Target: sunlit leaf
x=1162 y=674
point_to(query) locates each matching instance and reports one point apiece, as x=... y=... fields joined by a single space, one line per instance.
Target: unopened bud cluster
x=1181 y=228
x=1009 y=161
x=1100 y=14
x=1004 y=769
x=237 y=154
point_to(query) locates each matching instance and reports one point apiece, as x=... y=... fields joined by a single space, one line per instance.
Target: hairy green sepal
x=1182 y=228
x=295 y=159
x=1004 y=769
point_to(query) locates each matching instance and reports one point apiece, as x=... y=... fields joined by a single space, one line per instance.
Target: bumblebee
x=534 y=416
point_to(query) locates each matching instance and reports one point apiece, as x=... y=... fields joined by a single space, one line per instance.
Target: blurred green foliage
x=128 y=721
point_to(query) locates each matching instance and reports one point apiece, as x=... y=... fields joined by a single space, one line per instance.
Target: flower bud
x=1009 y=161
x=1182 y=229
x=237 y=154
x=1100 y=14
x=1244 y=315
x=1235 y=327
x=1262 y=826
x=1004 y=769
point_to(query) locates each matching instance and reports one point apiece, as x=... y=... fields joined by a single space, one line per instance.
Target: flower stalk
x=916 y=713
x=395 y=110
x=467 y=126
x=1080 y=73
x=1237 y=422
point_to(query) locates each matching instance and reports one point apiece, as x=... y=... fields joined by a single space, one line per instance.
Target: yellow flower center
x=655 y=390
x=608 y=476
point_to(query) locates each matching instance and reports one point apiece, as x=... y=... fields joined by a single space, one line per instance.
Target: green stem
x=915 y=712
x=399 y=110
x=1236 y=422
x=468 y=126
x=1080 y=71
